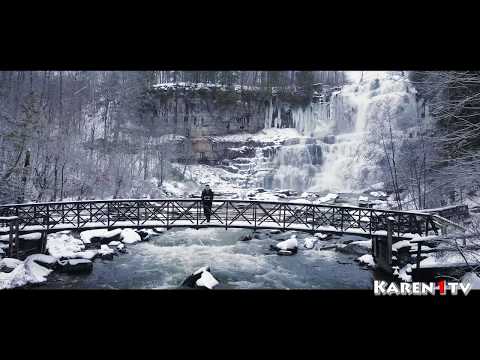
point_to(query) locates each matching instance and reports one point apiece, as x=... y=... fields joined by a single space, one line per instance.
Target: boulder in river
x=356 y=248
x=100 y=236
x=144 y=234
x=106 y=252
x=200 y=279
x=75 y=265
x=50 y=262
x=288 y=247
x=129 y=236
x=246 y=237
x=287 y=252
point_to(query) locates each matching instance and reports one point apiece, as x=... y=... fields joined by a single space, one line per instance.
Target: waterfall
x=344 y=133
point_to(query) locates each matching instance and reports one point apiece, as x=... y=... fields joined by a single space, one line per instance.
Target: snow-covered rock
x=25 y=272
x=44 y=260
x=63 y=246
x=121 y=248
x=403 y=273
x=356 y=247
x=129 y=236
x=327 y=198
x=114 y=243
x=366 y=259
x=310 y=242
x=75 y=265
x=87 y=254
x=106 y=252
x=286 y=247
x=102 y=236
x=200 y=279
x=9 y=263
x=207 y=280
x=289 y=244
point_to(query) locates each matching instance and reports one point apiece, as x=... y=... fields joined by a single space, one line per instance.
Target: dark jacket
x=207 y=197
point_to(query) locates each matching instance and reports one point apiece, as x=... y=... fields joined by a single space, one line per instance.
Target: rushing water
x=166 y=260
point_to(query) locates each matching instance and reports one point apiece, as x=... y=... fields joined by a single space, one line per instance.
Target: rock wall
x=207 y=112
x=198 y=114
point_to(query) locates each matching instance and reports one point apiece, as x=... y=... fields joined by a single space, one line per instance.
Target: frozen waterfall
x=339 y=148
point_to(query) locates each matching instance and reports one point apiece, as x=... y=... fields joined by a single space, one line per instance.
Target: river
x=167 y=259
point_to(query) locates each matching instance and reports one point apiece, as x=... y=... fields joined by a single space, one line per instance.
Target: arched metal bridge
x=171 y=213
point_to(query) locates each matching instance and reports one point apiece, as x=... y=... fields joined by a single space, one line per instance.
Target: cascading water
x=297 y=161
x=296 y=165
x=344 y=132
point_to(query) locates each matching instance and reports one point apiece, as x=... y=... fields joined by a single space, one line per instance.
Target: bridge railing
x=10 y=225
x=225 y=213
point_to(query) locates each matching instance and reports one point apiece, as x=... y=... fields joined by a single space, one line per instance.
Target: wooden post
x=313 y=219
x=341 y=221
x=138 y=213
x=168 y=208
x=390 y=222
x=10 y=238
x=255 y=215
x=43 y=242
x=198 y=211
x=226 y=215
x=419 y=253
x=78 y=216
x=17 y=239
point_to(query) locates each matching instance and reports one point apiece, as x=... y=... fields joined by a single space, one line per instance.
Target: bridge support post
x=389 y=241
x=10 y=237
x=382 y=248
x=17 y=239
x=419 y=254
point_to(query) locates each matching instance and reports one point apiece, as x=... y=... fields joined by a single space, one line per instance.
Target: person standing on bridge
x=207 y=198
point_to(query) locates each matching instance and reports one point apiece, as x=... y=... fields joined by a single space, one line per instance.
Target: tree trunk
x=25 y=173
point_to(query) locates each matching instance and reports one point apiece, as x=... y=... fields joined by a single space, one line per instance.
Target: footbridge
x=225 y=213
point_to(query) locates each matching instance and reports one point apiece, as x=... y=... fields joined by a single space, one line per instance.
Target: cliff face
x=196 y=112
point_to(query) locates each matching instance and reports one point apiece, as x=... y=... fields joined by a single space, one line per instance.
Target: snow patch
x=289 y=244
x=129 y=236
x=105 y=250
x=207 y=280
x=88 y=235
x=366 y=259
